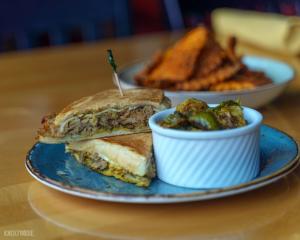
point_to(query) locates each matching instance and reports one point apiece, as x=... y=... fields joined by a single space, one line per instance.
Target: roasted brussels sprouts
x=191 y=106
x=204 y=120
x=175 y=120
x=195 y=115
x=230 y=114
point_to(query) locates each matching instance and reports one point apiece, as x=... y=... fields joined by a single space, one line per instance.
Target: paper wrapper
x=270 y=31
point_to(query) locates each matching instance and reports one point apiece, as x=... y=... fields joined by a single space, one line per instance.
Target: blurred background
x=29 y=24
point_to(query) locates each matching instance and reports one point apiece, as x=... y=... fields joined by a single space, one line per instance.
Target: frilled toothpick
x=111 y=61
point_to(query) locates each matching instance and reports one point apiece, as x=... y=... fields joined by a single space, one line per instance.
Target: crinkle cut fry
x=255 y=77
x=220 y=75
x=232 y=85
x=210 y=59
x=141 y=77
x=231 y=49
x=245 y=79
x=178 y=63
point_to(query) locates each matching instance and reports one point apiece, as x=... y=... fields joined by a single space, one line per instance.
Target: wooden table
x=41 y=81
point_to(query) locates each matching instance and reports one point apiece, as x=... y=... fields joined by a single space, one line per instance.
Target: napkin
x=270 y=31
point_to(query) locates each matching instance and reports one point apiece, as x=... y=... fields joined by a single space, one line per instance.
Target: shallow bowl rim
x=253 y=123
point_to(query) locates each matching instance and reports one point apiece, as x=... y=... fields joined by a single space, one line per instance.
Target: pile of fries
x=198 y=63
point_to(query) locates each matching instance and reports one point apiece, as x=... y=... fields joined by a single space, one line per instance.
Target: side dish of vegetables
x=194 y=115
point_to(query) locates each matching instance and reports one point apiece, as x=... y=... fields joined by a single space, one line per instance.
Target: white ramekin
x=207 y=159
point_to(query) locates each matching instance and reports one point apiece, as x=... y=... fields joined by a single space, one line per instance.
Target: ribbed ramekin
x=207 y=159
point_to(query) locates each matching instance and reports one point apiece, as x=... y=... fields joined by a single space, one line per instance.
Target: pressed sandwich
x=128 y=157
x=103 y=114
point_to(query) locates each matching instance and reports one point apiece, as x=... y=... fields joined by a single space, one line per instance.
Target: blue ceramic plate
x=280 y=72
x=49 y=164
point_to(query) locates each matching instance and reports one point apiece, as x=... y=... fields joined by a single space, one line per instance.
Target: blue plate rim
x=166 y=198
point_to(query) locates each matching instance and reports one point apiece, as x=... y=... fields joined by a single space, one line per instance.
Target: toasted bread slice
x=128 y=157
x=103 y=114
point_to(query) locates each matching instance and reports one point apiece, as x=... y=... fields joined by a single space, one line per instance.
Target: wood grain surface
x=41 y=81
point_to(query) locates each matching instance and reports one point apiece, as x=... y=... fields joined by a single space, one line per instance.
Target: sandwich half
x=128 y=157
x=103 y=114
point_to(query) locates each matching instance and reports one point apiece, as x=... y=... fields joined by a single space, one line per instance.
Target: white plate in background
x=281 y=74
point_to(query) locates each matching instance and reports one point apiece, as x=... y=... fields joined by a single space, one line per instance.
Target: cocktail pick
x=111 y=61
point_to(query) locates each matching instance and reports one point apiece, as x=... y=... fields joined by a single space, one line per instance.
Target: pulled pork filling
x=90 y=123
x=96 y=163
